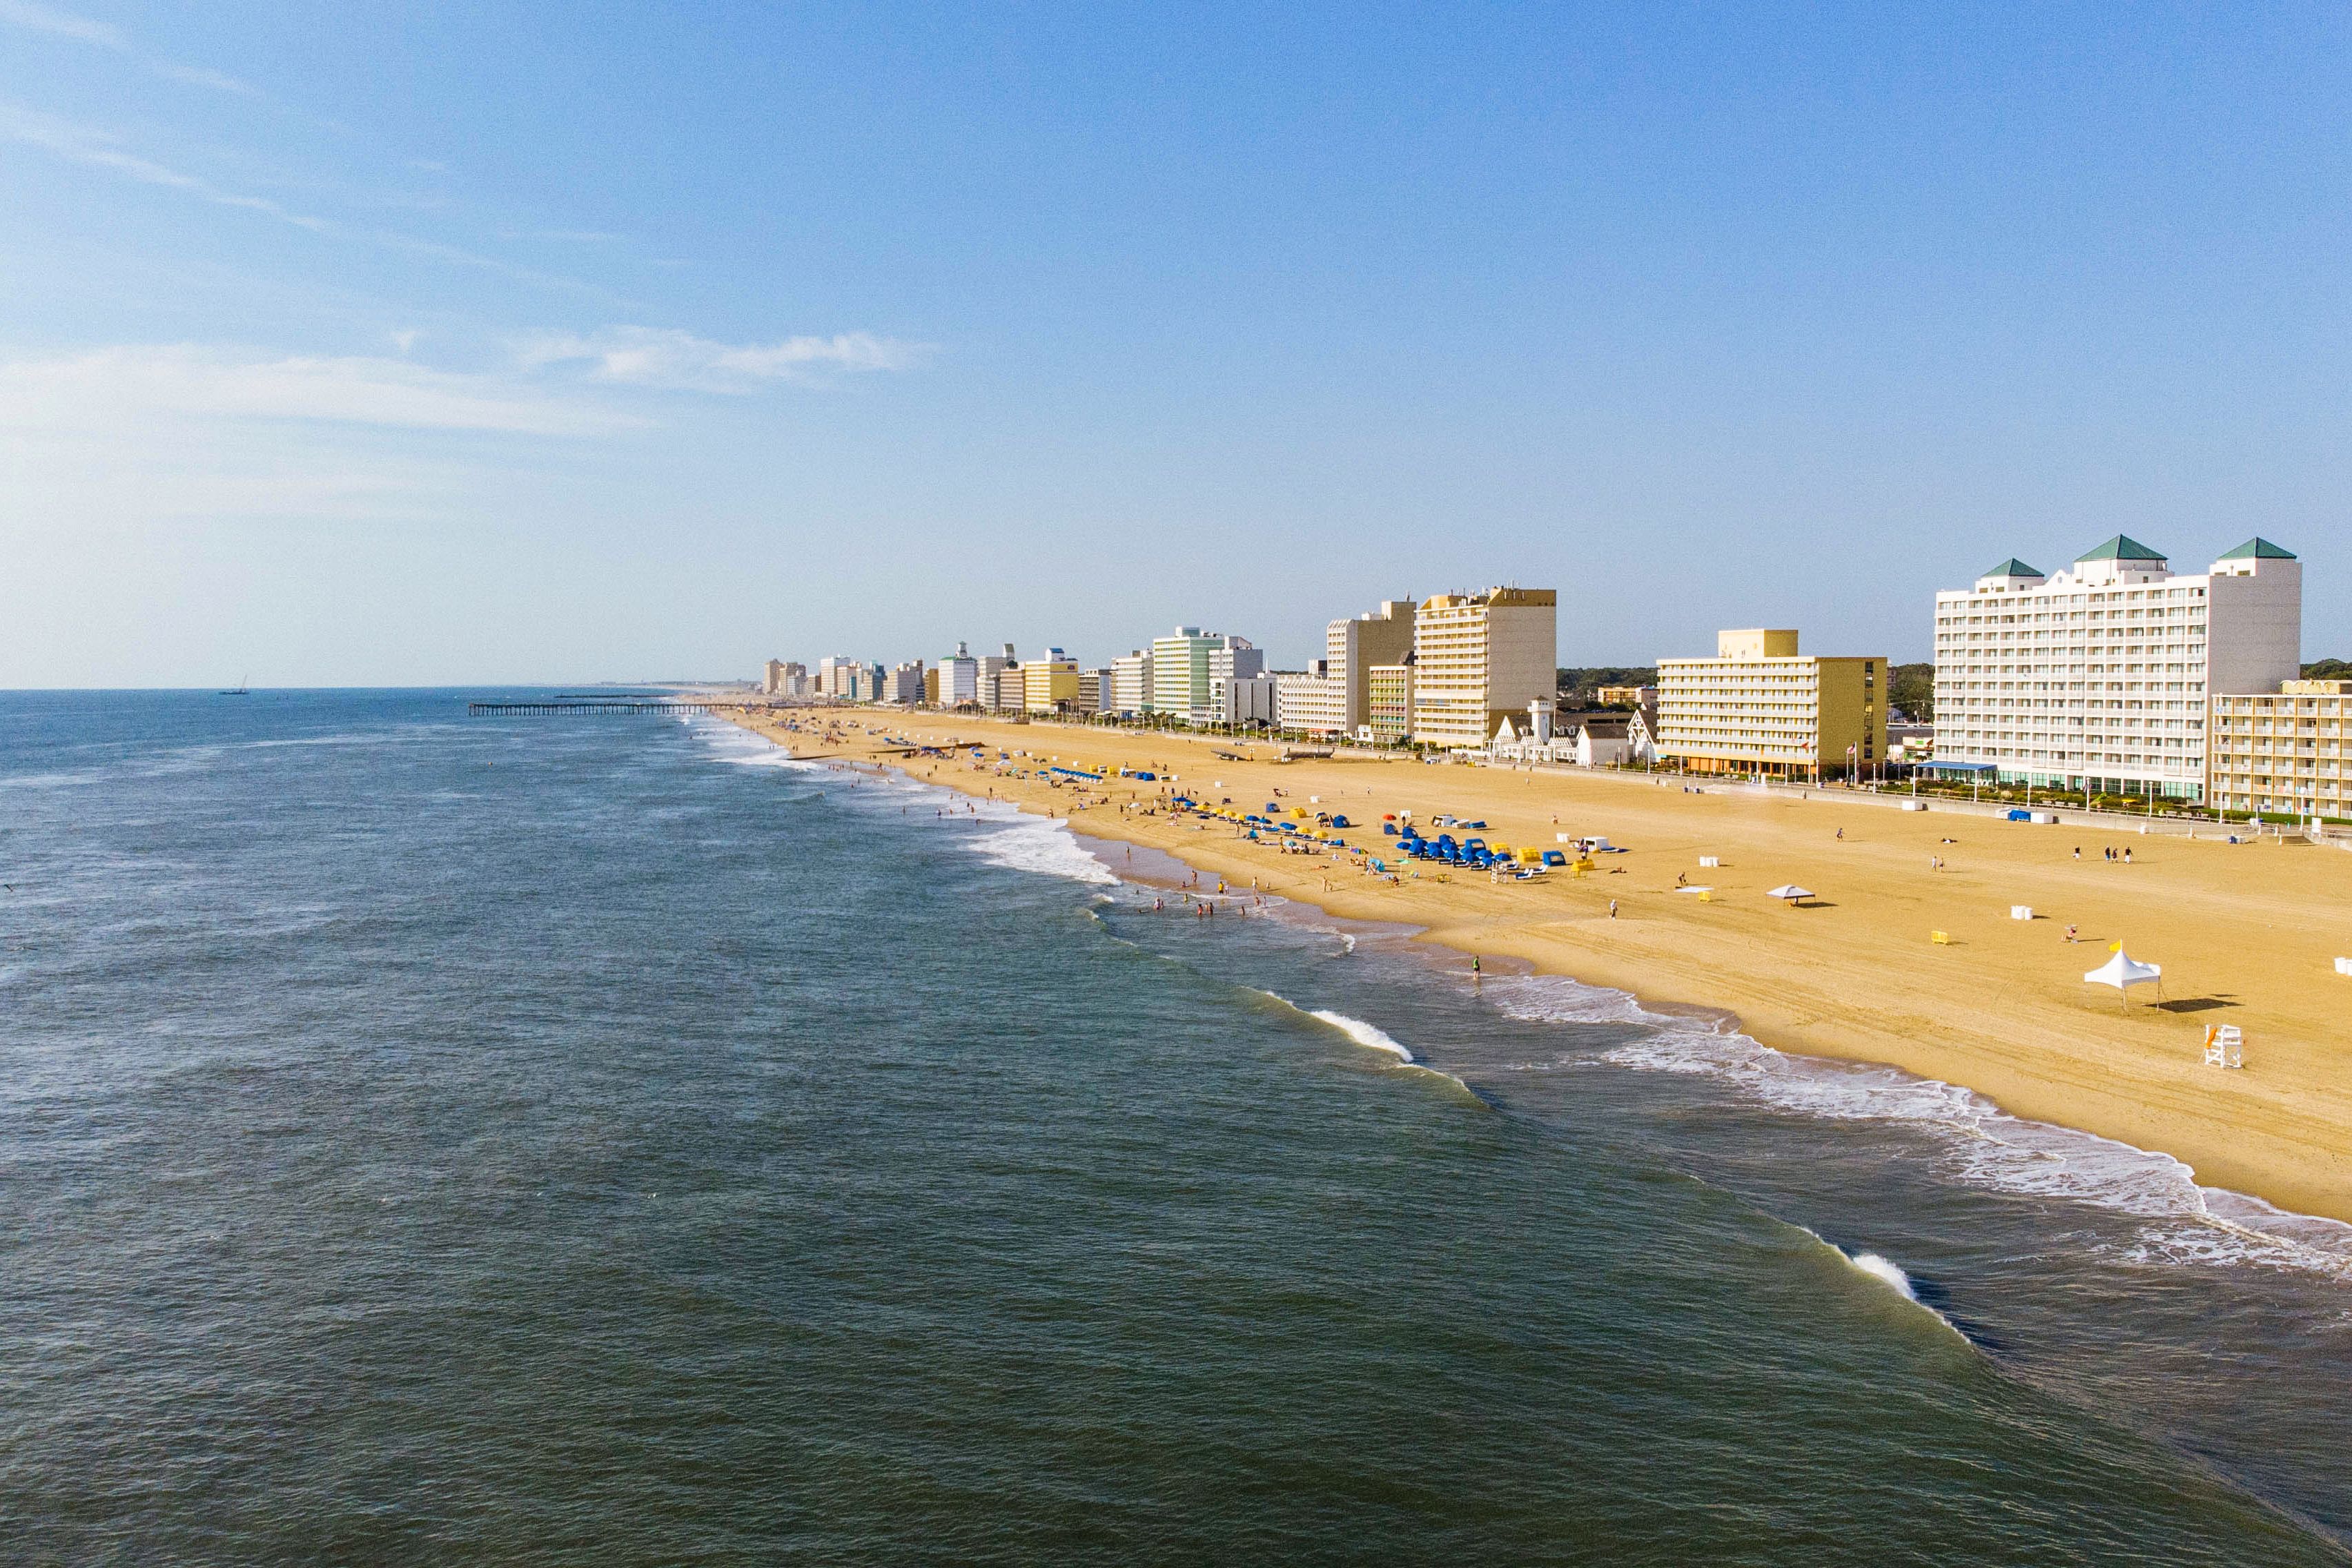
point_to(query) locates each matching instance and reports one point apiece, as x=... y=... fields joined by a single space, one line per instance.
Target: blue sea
x=427 y=1138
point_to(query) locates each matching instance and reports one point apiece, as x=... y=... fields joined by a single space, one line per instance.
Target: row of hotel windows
x=2095 y=624
x=2134 y=595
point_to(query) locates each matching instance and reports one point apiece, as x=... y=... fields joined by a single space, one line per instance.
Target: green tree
x=1912 y=688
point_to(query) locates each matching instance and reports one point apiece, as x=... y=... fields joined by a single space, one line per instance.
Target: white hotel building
x=959 y=677
x=1129 y=695
x=2099 y=678
x=1190 y=670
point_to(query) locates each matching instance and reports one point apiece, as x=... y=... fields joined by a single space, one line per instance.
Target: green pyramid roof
x=2013 y=567
x=2259 y=549
x=2122 y=547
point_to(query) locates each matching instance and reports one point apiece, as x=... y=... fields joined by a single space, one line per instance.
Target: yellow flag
x=2114 y=947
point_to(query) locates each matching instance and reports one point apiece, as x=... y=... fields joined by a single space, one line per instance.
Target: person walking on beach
x=2070 y=935
x=1840 y=833
x=1474 y=966
x=1612 y=909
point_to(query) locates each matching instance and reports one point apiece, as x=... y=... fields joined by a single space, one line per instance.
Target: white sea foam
x=1884 y=1271
x=1363 y=1034
x=1889 y=1274
x=2183 y=1221
x=733 y=744
x=353 y=738
x=1034 y=844
x=1879 y=1269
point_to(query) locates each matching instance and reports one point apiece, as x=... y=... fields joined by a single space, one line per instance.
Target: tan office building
x=1333 y=696
x=1480 y=659
x=2282 y=751
x=1760 y=706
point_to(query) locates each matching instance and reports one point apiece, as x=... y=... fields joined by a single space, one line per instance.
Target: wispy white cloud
x=61 y=23
x=57 y=23
x=659 y=357
x=458 y=257
x=202 y=75
x=121 y=385
x=565 y=236
x=97 y=150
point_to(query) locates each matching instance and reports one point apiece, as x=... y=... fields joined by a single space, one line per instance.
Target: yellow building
x=2281 y=752
x=1389 y=701
x=1480 y=659
x=1760 y=706
x=1050 y=685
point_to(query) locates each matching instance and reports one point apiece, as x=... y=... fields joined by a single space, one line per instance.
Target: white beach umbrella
x=1789 y=891
x=2123 y=971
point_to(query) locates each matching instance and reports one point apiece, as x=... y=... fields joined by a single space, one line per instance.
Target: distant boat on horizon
x=240 y=689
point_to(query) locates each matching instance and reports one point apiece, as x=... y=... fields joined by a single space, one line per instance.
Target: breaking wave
x=733 y=744
x=2183 y=1220
x=1363 y=1034
x=1034 y=844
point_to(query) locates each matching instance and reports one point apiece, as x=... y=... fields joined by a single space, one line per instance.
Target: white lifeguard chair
x=2224 y=1046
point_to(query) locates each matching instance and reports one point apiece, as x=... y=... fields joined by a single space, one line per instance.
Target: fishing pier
x=657 y=705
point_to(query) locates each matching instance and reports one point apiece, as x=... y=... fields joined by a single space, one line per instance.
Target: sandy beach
x=2246 y=933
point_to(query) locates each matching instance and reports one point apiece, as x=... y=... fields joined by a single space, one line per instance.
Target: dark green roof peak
x=2259 y=549
x=2013 y=567
x=2122 y=547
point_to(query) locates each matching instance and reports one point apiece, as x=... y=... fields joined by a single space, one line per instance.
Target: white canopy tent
x=2123 y=971
x=1791 y=893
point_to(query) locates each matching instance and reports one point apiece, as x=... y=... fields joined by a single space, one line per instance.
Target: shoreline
x=2038 y=1047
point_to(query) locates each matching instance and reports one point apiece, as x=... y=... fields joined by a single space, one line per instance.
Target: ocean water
x=428 y=1139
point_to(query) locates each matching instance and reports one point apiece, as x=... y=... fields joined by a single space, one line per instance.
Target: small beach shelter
x=1790 y=893
x=2123 y=971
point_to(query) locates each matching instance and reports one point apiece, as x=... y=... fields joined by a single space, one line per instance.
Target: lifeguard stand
x=2224 y=1047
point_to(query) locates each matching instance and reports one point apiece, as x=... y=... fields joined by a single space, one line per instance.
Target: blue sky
x=345 y=345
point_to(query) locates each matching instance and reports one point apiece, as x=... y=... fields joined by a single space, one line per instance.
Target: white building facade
x=2100 y=677
x=1130 y=686
x=1312 y=700
x=1250 y=699
x=959 y=679
x=1190 y=671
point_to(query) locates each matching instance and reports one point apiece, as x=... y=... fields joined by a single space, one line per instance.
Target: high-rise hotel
x=1334 y=697
x=1760 y=708
x=1477 y=660
x=2099 y=678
